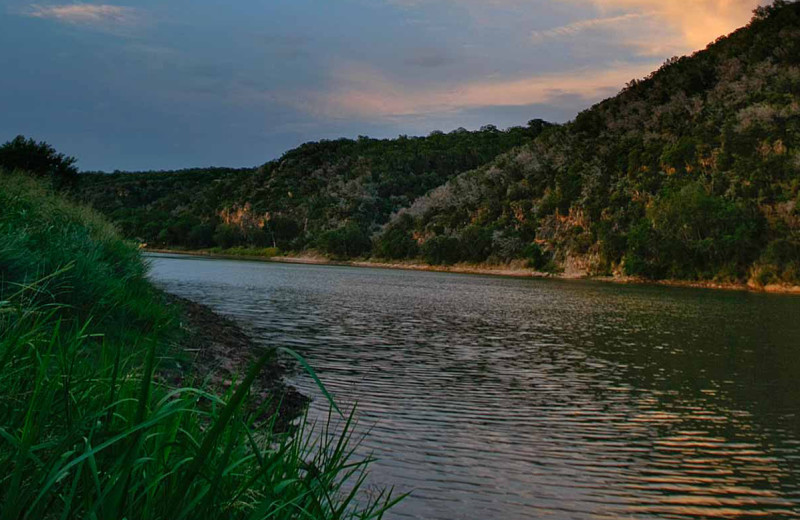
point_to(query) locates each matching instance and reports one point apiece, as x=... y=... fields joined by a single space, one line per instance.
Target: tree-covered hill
x=690 y=173
x=329 y=195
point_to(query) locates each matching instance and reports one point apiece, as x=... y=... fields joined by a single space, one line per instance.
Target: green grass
x=88 y=429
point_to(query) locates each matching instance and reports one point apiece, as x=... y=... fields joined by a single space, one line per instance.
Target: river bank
x=219 y=351
x=112 y=386
x=511 y=270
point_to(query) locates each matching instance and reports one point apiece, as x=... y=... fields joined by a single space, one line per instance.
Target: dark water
x=495 y=398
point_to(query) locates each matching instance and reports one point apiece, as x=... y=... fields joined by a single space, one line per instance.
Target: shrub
x=396 y=244
x=201 y=235
x=506 y=246
x=283 y=230
x=226 y=236
x=396 y=241
x=475 y=244
x=537 y=258
x=441 y=250
x=641 y=258
x=346 y=242
x=780 y=262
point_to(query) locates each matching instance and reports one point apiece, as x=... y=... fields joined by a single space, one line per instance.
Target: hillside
x=345 y=188
x=691 y=173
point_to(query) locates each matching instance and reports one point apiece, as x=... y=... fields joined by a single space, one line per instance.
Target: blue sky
x=171 y=84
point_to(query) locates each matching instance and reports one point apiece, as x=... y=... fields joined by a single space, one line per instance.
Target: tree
x=226 y=236
x=345 y=242
x=476 y=243
x=441 y=250
x=397 y=242
x=39 y=159
x=201 y=235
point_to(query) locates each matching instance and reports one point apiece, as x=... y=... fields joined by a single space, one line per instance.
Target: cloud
x=86 y=14
x=363 y=92
x=584 y=25
x=665 y=25
x=694 y=23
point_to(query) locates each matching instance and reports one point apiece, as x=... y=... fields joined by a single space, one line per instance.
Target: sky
x=163 y=84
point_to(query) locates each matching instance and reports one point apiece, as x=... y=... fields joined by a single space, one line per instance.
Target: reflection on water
x=510 y=398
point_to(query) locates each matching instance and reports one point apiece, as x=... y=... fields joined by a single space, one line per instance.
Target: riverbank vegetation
x=90 y=425
x=692 y=173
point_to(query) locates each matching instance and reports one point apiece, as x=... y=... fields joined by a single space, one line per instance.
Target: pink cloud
x=694 y=23
x=90 y=14
x=363 y=92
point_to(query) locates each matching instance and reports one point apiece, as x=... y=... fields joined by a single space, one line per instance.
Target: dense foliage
x=691 y=173
x=89 y=425
x=39 y=159
x=329 y=195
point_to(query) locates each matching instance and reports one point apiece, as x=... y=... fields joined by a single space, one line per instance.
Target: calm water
x=495 y=398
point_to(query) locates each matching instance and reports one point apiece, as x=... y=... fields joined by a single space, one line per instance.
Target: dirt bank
x=219 y=352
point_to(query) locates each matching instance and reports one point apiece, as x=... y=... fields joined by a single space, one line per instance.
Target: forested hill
x=329 y=195
x=691 y=173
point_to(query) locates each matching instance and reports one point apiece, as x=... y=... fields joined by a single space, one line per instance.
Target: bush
x=263 y=252
x=226 y=236
x=475 y=244
x=780 y=262
x=643 y=252
x=396 y=243
x=396 y=240
x=346 y=242
x=283 y=230
x=441 y=250
x=201 y=235
x=506 y=246
x=537 y=258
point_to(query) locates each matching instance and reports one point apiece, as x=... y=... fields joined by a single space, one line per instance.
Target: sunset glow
x=214 y=84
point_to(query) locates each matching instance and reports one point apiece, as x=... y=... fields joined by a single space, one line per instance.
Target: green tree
x=226 y=236
x=441 y=250
x=396 y=242
x=39 y=159
x=475 y=244
x=345 y=242
x=201 y=235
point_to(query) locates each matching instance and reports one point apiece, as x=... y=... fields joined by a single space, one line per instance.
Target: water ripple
x=500 y=398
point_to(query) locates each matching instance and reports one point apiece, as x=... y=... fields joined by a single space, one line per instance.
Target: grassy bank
x=89 y=425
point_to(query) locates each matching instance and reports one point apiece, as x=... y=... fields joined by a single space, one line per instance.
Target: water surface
x=513 y=398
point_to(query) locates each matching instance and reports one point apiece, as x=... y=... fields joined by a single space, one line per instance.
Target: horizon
x=159 y=87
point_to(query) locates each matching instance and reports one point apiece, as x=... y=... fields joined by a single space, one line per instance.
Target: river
x=501 y=398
